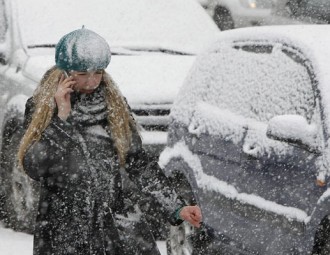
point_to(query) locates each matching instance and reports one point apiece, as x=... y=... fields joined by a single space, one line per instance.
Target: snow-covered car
x=249 y=142
x=153 y=44
x=301 y=11
x=229 y=14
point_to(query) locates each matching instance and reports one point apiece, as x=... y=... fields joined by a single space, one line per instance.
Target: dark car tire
x=178 y=241
x=322 y=238
x=223 y=19
x=20 y=193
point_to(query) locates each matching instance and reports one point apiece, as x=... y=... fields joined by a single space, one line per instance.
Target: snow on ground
x=16 y=243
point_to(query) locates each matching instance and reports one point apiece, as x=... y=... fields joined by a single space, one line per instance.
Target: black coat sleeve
x=55 y=140
x=151 y=180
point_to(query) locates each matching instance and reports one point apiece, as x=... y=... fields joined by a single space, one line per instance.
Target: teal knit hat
x=82 y=50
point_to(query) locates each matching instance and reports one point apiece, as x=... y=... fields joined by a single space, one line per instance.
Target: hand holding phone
x=63 y=95
x=66 y=75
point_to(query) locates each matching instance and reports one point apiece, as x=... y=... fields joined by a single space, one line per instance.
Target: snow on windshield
x=257 y=85
x=181 y=25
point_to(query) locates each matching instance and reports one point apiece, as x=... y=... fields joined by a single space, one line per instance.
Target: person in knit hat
x=80 y=139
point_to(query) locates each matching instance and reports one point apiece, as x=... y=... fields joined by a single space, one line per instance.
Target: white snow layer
x=144 y=23
x=210 y=183
x=16 y=243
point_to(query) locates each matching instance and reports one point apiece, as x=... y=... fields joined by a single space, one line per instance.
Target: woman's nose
x=91 y=80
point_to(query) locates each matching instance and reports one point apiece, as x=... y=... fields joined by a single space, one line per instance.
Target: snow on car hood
x=151 y=78
x=143 y=79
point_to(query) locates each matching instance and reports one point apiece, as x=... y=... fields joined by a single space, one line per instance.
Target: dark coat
x=83 y=208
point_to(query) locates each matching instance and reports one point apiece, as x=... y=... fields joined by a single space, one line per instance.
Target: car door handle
x=251 y=150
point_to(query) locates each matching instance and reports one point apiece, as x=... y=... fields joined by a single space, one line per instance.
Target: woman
x=80 y=136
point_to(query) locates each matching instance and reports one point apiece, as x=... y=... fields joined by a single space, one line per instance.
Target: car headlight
x=252 y=4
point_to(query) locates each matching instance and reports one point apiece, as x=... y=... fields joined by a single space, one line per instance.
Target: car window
x=3 y=22
x=265 y=4
x=313 y=10
x=275 y=82
x=318 y=9
x=254 y=81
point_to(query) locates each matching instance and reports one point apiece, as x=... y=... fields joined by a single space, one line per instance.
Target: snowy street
x=15 y=243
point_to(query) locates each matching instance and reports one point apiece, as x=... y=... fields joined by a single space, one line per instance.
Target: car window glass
x=3 y=22
x=265 y=4
x=310 y=10
x=318 y=3
x=257 y=83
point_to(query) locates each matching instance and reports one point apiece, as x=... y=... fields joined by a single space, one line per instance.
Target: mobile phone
x=67 y=76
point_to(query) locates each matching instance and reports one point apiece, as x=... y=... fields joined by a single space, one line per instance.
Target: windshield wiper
x=160 y=49
x=125 y=50
x=41 y=46
x=49 y=45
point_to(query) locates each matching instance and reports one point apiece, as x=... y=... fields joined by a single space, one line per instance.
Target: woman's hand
x=62 y=96
x=192 y=214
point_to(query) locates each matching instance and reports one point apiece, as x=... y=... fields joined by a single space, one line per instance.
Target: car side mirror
x=295 y=130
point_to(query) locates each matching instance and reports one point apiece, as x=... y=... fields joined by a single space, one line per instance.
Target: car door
x=277 y=170
x=261 y=184
x=281 y=173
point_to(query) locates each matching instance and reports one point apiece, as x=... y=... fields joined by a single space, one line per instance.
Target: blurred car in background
x=229 y=14
x=249 y=141
x=302 y=11
x=153 y=44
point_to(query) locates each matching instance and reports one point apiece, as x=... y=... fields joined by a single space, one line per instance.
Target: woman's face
x=86 y=82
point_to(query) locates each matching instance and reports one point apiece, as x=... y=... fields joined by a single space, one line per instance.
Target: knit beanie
x=82 y=50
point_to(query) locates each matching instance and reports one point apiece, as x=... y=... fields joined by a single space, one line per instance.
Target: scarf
x=88 y=109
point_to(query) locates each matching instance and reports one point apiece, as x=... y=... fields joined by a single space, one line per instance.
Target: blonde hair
x=120 y=121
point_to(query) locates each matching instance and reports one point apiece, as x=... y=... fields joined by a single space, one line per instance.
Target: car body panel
x=242 y=13
x=257 y=190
